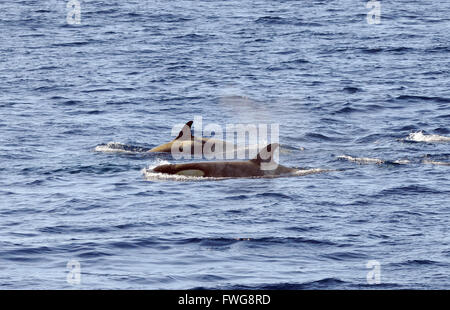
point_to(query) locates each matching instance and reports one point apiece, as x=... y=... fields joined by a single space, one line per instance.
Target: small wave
x=408 y=190
x=420 y=137
x=116 y=147
x=252 y=241
x=377 y=50
x=78 y=43
x=318 y=137
x=296 y=61
x=195 y=37
x=93 y=254
x=416 y=262
x=271 y=20
x=325 y=283
x=344 y=256
x=347 y=110
x=351 y=90
x=423 y=98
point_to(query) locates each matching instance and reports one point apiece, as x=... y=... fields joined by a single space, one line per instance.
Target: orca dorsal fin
x=266 y=155
x=185 y=132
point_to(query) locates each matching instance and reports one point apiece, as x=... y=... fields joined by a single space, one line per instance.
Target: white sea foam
x=362 y=160
x=151 y=175
x=311 y=171
x=117 y=147
x=367 y=160
x=433 y=162
x=420 y=137
x=111 y=147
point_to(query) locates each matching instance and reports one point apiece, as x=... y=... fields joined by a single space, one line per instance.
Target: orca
x=185 y=141
x=263 y=165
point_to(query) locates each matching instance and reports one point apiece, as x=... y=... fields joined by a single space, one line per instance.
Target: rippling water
x=370 y=101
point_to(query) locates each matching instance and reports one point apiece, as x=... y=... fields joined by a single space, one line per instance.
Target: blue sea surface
x=357 y=98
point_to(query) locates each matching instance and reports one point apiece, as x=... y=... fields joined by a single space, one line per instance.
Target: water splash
x=420 y=137
x=368 y=160
x=361 y=160
x=117 y=147
x=434 y=162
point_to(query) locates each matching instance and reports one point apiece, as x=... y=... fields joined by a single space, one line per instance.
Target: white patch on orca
x=151 y=175
x=401 y=162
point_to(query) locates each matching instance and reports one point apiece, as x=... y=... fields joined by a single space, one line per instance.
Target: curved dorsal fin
x=266 y=154
x=185 y=133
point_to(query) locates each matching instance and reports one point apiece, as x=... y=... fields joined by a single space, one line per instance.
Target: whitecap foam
x=111 y=147
x=420 y=137
x=311 y=171
x=368 y=160
x=117 y=147
x=434 y=162
x=361 y=160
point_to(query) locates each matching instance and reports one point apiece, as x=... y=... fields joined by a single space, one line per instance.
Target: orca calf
x=263 y=164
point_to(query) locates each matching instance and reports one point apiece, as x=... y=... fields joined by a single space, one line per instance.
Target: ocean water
x=368 y=101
